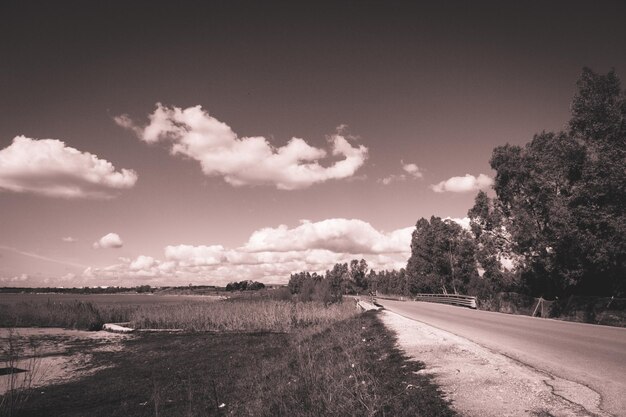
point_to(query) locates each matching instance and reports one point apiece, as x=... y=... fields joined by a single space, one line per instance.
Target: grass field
x=349 y=368
x=254 y=356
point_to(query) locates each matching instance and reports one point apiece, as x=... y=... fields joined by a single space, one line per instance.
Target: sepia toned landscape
x=236 y=208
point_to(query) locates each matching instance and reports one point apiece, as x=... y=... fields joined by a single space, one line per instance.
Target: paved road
x=591 y=355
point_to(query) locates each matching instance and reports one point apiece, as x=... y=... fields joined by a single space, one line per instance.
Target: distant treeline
x=246 y=285
x=103 y=290
x=555 y=227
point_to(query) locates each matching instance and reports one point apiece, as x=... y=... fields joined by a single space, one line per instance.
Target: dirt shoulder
x=482 y=383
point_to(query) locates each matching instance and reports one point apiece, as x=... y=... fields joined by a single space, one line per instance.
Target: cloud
x=337 y=235
x=463 y=184
x=142 y=263
x=188 y=255
x=464 y=222
x=15 y=279
x=48 y=167
x=109 y=241
x=193 y=133
x=69 y=239
x=392 y=178
x=269 y=255
x=412 y=171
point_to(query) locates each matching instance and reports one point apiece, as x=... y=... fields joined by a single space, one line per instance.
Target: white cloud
x=412 y=171
x=69 y=239
x=193 y=133
x=463 y=184
x=142 y=263
x=48 y=167
x=195 y=255
x=109 y=241
x=337 y=235
x=392 y=178
x=269 y=255
x=464 y=222
x=17 y=278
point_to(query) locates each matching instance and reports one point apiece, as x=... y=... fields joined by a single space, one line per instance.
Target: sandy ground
x=54 y=355
x=482 y=383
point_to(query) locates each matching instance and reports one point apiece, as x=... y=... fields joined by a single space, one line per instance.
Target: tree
x=296 y=281
x=442 y=257
x=494 y=246
x=563 y=198
x=337 y=277
x=358 y=273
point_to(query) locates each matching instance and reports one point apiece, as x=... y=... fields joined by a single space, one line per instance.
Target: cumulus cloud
x=412 y=171
x=463 y=184
x=195 y=255
x=69 y=239
x=109 y=241
x=48 y=167
x=337 y=235
x=142 y=262
x=193 y=133
x=269 y=267
x=270 y=255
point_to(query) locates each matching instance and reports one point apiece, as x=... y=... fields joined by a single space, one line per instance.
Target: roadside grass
x=351 y=367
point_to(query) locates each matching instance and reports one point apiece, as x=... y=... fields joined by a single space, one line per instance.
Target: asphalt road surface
x=591 y=355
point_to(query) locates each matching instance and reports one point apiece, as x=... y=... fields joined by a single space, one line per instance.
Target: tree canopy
x=562 y=196
x=442 y=257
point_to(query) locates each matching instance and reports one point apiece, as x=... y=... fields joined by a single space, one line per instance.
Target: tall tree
x=358 y=273
x=336 y=279
x=442 y=257
x=563 y=196
x=494 y=245
x=599 y=202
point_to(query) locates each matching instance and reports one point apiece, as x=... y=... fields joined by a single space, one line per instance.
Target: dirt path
x=482 y=383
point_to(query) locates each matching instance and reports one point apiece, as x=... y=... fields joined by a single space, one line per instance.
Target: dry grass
x=247 y=315
x=73 y=314
x=241 y=316
x=348 y=368
x=23 y=364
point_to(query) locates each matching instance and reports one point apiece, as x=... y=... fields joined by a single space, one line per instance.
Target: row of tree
x=342 y=279
x=246 y=285
x=556 y=225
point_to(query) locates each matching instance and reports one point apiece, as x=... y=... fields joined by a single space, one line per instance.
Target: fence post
x=539 y=302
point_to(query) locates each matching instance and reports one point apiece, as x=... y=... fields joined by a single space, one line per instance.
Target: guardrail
x=454 y=299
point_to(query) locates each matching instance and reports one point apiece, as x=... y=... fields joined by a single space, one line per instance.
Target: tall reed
x=249 y=316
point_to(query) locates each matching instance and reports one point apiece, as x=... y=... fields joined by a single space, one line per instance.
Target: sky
x=210 y=142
